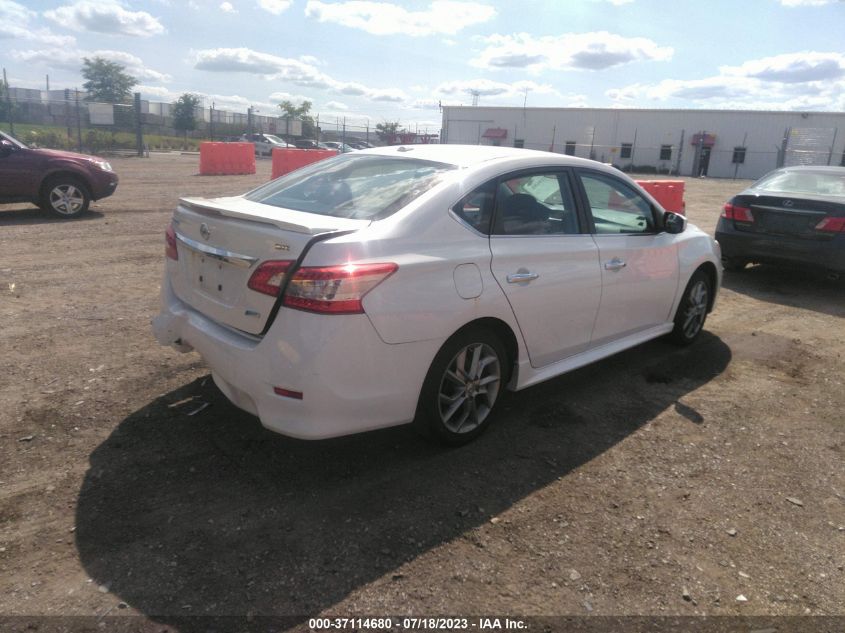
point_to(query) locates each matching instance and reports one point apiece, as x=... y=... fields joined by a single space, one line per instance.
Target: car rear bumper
x=350 y=380
x=778 y=249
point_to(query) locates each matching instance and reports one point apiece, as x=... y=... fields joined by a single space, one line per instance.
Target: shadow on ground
x=209 y=513
x=23 y=214
x=807 y=289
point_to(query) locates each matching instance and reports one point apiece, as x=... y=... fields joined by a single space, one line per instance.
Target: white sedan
x=415 y=283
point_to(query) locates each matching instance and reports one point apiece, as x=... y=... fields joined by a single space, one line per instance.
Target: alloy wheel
x=696 y=310
x=67 y=199
x=469 y=388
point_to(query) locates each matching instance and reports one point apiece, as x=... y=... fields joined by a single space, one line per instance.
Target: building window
x=665 y=152
x=739 y=155
x=627 y=150
x=569 y=150
x=519 y=142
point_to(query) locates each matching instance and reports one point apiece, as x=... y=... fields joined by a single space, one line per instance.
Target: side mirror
x=674 y=222
x=6 y=148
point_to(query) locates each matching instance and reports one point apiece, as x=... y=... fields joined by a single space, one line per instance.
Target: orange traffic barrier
x=219 y=159
x=286 y=160
x=669 y=193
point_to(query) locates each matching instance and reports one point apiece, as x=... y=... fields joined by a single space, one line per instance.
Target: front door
x=639 y=262
x=546 y=263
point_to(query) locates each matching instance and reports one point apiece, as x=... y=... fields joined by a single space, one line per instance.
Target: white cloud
x=571 y=51
x=276 y=7
x=15 y=19
x=800 y=81
x=105 y=17
x=806 y=3
x=336 y=105
x=488 y=88
x=14 y=12
x=382 y=18
x=792 y=67
x=286 y=96
x=287 y=69
x=227 y=7
x=71 y=59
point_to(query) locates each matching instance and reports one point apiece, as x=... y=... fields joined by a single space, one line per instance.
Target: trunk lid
x=222 y=241
x=788 y=216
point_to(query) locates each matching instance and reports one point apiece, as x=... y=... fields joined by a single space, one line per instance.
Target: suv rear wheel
x=65 y=196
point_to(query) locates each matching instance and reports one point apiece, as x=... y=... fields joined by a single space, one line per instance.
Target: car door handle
x=615 y=264
x=517 y=278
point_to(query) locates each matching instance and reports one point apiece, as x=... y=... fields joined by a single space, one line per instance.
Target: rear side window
x=535 y=204
x=476 y=208
x=353 y=186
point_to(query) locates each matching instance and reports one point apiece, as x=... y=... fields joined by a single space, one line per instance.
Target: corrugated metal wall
x=660 y=139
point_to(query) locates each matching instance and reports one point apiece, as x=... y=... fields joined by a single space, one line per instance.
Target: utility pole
x=48 y=83
x=343 y=134
x=211 y=121
x=78 y=123
x=9 y=104
x=139 y=133
x=249 y=120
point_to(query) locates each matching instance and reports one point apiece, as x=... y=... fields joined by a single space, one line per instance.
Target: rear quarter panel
x=421 y=300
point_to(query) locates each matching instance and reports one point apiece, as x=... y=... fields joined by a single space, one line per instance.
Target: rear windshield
x=353 y=186
x=811 y=182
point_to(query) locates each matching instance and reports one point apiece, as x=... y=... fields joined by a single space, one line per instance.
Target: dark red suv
x=62 y=182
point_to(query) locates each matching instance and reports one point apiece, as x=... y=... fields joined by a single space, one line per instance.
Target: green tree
x=183 y=113
x=106 y=81
x=385 y=131
x=289 y=110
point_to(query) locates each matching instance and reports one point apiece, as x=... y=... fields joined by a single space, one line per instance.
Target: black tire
x=692 y=310
x=734 y=264
x=65 y=196
x=455 y=405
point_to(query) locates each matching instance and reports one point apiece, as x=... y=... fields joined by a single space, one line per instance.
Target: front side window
x=616 y=207
x=535 y=204
x=353 y=186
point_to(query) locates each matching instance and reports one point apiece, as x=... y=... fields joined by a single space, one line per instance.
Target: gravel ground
x=662 y=481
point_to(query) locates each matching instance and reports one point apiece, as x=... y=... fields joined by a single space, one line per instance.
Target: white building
x=718 y=143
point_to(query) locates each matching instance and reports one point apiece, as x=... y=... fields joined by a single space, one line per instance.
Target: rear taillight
x=737 y=213
x=334 y=289
x=324 y=289
x=832 y=225
x=170 y=243
x=268 y=277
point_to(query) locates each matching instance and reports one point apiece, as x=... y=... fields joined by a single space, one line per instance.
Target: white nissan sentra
x=416 y=283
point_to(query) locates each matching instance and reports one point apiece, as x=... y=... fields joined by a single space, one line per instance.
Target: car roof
x=815 y=168
x=469 y=155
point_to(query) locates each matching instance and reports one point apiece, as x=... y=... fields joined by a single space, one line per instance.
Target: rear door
x=639 y=262
x=221 y=243
x=546 y=263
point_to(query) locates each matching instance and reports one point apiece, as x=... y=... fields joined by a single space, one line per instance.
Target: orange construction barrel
x=286 y=160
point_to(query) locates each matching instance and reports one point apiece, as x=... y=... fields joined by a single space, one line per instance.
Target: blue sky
x=397 y=60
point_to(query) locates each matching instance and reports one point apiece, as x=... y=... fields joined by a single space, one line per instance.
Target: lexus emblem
x=205 y=231
x=788 y=203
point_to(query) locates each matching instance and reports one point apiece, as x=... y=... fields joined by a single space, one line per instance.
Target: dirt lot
x=660 y=481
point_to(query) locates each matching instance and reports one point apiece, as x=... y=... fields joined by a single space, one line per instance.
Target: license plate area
x=215 y=279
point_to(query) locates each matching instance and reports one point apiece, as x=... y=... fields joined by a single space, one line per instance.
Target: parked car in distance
x=359 y=144
x=63 y=183
x=793 y=216
x=306 y=143
x=264 y=143
x=417 y=283
x=343 y=148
